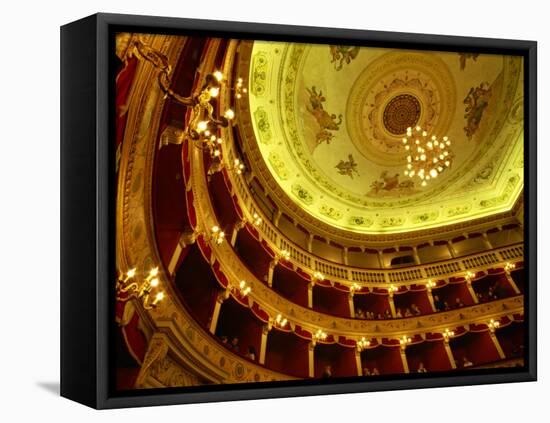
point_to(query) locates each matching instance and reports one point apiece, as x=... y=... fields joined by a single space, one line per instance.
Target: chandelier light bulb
x=432 y=156
x=229 y=114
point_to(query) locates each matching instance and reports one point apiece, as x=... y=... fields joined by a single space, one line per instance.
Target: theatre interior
x=292 y=211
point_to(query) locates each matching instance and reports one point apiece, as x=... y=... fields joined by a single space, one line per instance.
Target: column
x=263 y=345
x=345 y=256
x=270 y=272
x=186 y=238
x=277 y=217
x=175 y=258
x=404 y=359
x=310 y=295
x=311 y=359
x=451 y=249
x=351 y=305
x=392 y=305
x=512 y=283
x=415 y=256
x=472 y=292
x=449 y=353
x=380 y=259
x=430 y=295
x=216 y=313
x=486 y=241
x=310 y=243
x=497 y=344
x=358 y=362
x=238 y=226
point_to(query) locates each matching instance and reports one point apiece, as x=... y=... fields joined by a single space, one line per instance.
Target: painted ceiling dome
x=329 y=123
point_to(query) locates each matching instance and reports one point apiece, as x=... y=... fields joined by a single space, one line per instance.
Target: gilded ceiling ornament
x=331 y=212
x=360 y=221
x=402 y=112
x=425 y=217
x=259 y=74
x=262 y=122
x=278 y=165
x=302 y=193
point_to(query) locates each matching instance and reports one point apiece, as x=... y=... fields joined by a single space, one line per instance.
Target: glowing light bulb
x=202 y=125
x=229 y=114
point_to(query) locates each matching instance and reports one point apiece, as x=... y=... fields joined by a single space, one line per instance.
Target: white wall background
x=29 y=235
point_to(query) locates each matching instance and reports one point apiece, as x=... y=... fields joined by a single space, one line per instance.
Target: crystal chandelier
x=427 y=156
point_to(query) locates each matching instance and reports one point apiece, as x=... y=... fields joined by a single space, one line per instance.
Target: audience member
x=327 y=372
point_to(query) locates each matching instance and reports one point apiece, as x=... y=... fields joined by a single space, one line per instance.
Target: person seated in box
x=327 y=372
x=421 y=368
x=251 y=353
x=416 y=311
x=459 y=303
x=235 y=344
x=466 y=362
x=438 y=303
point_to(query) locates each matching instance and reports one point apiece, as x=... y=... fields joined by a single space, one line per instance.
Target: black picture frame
x=87 y=208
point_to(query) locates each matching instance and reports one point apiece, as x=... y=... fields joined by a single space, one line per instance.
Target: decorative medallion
x=402 y=112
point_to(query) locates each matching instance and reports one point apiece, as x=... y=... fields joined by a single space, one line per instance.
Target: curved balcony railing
x=345 y=274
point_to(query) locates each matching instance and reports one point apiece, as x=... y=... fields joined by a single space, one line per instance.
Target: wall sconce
x=404 y=341
x=256 y=219
x=430 y=284
x=508 y=267
x=217 y=235
x=318 y=276
x=354 y=287
x=493 y=325
x=320 y=335
x=392 y=289
x=240 y=90
x=244 y=289
x=280 y=321
x=238 y=167
x=141 y=290
x=285 y=255
x=469 y=276
x=447 y=334
x=363 y=344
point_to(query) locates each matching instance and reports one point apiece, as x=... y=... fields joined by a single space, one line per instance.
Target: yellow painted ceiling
x=329 y=122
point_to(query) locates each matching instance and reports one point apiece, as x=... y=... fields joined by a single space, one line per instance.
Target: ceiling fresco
x=330 y=120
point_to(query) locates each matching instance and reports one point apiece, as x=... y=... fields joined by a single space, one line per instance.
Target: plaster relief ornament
x=390 y=185
x=463 y=58
x=476 y=102
x=342 y=54
x=327 y=121
x=347 y=168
